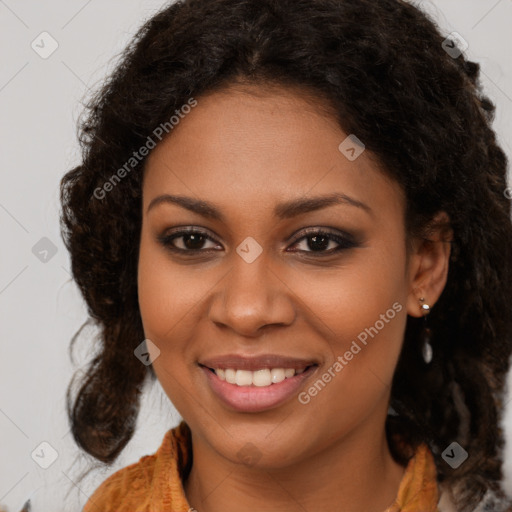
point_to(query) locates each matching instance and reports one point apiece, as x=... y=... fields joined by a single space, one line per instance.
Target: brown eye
x=192 y=240
x=319 y=240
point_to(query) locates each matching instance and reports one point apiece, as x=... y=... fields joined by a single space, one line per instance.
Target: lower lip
x=254 y=398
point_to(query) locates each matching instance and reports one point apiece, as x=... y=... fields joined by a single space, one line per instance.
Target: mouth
x=262 y=377
x=256 y=390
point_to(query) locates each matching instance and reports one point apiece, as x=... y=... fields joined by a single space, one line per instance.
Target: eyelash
x=345 y=242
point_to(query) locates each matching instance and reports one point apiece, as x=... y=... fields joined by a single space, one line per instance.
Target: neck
x=356 y=473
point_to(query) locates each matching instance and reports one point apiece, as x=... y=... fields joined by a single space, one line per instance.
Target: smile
x=260 y=378
x=256 y=391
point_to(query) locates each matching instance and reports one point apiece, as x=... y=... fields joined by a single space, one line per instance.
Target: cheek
x=359 y=309
x=379 y=310
x=354 y=294
x=153 y=302
x=164 y=302
x=167 y=294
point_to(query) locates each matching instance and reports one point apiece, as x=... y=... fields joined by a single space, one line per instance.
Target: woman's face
x=259 y=281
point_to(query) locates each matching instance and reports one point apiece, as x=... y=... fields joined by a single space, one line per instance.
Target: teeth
x=243 y=378
x=260 y=378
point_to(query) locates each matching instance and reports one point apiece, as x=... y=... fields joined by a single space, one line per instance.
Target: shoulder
x=127 y=487
x=131 y=488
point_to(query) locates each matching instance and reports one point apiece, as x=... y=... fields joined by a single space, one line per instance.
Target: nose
x=251 y=297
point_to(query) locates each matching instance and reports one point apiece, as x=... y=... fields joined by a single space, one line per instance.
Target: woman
x=294 y=215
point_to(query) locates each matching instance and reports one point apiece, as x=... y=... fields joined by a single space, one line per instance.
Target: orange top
x=154 y=483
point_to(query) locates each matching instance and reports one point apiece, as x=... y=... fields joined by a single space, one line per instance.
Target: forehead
x=248 y=143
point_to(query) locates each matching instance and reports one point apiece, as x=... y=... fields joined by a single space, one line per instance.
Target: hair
x=421 y=112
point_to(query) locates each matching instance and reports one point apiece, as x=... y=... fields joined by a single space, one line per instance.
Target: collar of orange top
x=418 y=488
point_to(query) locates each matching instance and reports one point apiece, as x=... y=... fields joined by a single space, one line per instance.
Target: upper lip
x=270 y=361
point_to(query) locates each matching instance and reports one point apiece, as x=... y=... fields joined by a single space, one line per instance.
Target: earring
x=426 y=334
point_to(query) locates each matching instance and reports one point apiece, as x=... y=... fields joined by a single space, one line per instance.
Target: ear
x=428 y=264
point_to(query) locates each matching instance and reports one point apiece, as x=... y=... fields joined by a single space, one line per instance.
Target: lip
x=253 y=363
x=253 y=398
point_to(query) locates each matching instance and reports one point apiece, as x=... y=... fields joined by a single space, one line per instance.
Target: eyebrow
x=285 y=210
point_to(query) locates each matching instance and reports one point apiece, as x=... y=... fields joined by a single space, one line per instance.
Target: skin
x=245 y=149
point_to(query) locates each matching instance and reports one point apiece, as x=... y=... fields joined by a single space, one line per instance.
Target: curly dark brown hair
x=383 y=68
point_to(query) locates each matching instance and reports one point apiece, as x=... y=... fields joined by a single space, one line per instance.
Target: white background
x=40 y=306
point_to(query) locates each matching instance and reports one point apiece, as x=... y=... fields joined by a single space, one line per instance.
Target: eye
x=193 y=240
x=320 y=241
